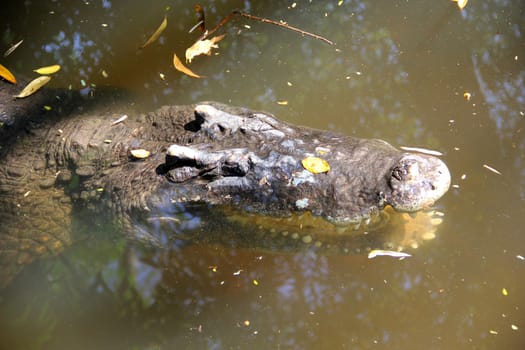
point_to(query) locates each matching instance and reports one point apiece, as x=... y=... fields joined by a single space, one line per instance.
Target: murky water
x=399 y=72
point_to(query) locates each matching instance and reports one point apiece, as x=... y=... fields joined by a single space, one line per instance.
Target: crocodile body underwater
x=206 y=153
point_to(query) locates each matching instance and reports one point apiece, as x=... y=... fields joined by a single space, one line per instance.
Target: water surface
x=399 y=71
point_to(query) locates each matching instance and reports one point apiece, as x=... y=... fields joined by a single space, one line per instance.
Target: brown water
x=399 y=72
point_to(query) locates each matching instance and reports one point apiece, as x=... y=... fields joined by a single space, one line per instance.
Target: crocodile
x=143 y=167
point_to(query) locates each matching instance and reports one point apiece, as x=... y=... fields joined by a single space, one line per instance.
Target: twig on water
x=263 y=20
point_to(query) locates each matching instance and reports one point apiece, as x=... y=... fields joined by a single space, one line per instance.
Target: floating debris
x=199 y=24
x=120 y=120
x=48 y=69
x=140 y=153
x=203 y=47
x=394 y=254
x=177 y=63
x=461 y=3
x=33 y=86
x=7 y=75
x=157 y=33
x=488 y=167
x=422 y=150
x=12 y=48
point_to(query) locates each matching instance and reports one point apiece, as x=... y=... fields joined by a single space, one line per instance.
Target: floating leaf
x=203 y=47
x=140 y=153
x=315 y=165
x=33 y=86
x=48 y=70
x=157 y=33
x=182 y=68
x=12 y=48
x=7 y=75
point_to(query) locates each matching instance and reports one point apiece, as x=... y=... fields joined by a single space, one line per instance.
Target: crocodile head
x=416 y=182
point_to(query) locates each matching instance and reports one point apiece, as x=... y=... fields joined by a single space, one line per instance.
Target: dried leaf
x=203 y=47
x=315 y=165
x=12 y=48
x=48 y=70
x=157 y=33
x=182 y=68
x=33 y=86
x=7 y=75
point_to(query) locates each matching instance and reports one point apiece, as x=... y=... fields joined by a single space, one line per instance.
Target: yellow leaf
x=157 y=33
x=140 y=153
x=34 y=86
x=203 y=47
x=315 y=165
x=182 y=68
x=7 y=75
x=48 y=70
